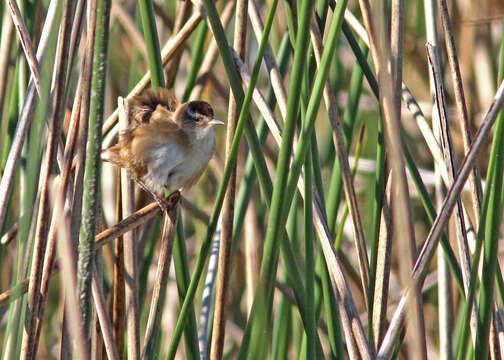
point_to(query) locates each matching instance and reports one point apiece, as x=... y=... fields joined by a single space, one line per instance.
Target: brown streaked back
x=143 y=106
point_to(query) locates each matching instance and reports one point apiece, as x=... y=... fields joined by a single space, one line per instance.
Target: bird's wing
x=160 y=122
x=144 y=106
x=159 y=141
x=112 y=154
x=164 y=120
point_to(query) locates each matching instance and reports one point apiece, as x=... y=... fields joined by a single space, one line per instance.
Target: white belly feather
x=171 y=165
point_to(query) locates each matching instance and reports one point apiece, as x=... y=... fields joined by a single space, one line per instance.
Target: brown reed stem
x=224 y=267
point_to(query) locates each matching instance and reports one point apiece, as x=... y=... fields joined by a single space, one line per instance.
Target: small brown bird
x=168 y=144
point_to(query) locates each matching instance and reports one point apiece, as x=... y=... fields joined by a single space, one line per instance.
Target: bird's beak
x=215 y=122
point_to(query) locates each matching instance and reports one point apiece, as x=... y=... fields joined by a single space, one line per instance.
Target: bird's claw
x=169 y=202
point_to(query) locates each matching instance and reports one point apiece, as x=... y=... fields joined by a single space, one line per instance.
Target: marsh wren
x=167 y=144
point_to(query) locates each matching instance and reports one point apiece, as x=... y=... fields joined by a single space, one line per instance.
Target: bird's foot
x=173 y=199
x=168 y=202
x=161 y=202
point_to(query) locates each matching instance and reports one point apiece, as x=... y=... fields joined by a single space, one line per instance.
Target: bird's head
x=196 y=116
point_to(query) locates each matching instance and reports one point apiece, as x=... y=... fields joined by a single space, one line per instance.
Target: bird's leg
x=161 y=202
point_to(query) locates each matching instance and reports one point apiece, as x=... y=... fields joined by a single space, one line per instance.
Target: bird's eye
x=199 y=111
x=192 y=113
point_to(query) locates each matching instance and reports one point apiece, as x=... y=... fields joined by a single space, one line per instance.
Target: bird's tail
x=111 y=155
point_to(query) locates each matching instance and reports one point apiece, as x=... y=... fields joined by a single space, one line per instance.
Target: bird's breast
x=191 y=163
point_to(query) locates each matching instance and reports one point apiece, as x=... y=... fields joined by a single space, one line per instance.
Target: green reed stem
x=233 y=78
x=183 y=279
x=197 y=55
x=491 y=230
x=91 y=196
x=261 y=314
x=311 y=328
x=152 y=43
